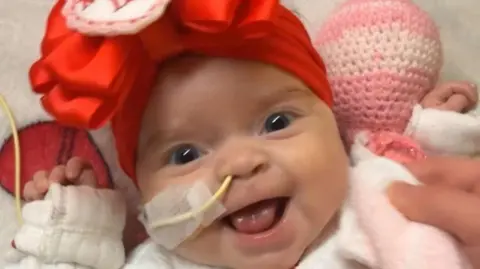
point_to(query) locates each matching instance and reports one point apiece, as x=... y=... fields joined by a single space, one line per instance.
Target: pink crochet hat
x=382 y=57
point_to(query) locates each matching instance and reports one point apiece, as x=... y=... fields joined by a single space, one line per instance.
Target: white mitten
x=445 y=132
x=75 y=224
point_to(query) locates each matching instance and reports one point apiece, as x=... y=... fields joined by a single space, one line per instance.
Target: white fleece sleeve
x=146 y=256
x=151 y=256
x=445 y=132
x=73 y=227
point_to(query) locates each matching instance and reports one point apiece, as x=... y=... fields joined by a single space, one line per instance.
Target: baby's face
x=208 y=118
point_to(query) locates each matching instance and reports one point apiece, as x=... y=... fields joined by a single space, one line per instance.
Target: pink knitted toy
x=384 y=58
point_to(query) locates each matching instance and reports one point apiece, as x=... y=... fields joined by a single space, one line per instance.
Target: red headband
x=89 y=81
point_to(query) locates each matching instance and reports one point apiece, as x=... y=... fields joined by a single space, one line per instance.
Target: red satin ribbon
x=85 y=79
x=238 y=18
x=88 y=81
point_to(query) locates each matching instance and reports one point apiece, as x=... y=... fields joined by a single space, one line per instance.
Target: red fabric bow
x=248 y=18
x=87 y=81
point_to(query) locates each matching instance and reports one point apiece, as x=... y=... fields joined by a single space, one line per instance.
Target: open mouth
x=259 y=217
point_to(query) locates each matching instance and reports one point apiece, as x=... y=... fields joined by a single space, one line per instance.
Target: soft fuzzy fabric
x=21 y=26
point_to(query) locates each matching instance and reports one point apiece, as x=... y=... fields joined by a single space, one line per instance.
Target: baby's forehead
x=184 y=72
x=195 y=81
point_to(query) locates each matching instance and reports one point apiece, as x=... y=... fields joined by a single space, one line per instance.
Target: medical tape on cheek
x=182 y=211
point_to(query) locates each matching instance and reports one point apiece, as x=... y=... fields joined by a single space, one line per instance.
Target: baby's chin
x=283 y=259
x=286 y=259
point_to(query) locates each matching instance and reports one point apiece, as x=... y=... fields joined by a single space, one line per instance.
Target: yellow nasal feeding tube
x=194 y=213
x=157 y=224
x=16 y=144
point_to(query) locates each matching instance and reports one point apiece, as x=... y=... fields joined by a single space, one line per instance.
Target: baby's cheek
x=207 y=247
x=325 y=189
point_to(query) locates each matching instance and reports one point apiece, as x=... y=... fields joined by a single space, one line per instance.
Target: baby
x=179 y=95
x=195 y=94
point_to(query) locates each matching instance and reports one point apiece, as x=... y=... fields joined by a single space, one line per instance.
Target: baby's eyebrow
x=156 y=140
x=169 y=133
x=160 y=139
x=284 y=93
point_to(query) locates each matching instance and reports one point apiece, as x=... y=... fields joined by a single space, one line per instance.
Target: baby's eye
x=277 y=122
x=184 y=154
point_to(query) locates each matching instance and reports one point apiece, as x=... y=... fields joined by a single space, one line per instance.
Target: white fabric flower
x=112 y=17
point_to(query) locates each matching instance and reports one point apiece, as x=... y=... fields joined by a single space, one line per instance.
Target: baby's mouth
x=258 y=217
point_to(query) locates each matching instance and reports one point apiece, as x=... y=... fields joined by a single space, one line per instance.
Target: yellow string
x=16 y=145
x=192 y=214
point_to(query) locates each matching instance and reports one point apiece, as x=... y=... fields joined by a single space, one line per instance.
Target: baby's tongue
x=255 y=218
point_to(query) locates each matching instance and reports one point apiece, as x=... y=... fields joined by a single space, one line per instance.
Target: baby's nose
x=242 y=161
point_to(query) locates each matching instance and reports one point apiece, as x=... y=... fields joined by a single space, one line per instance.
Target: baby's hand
x=452 y=96
x=77 y=171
